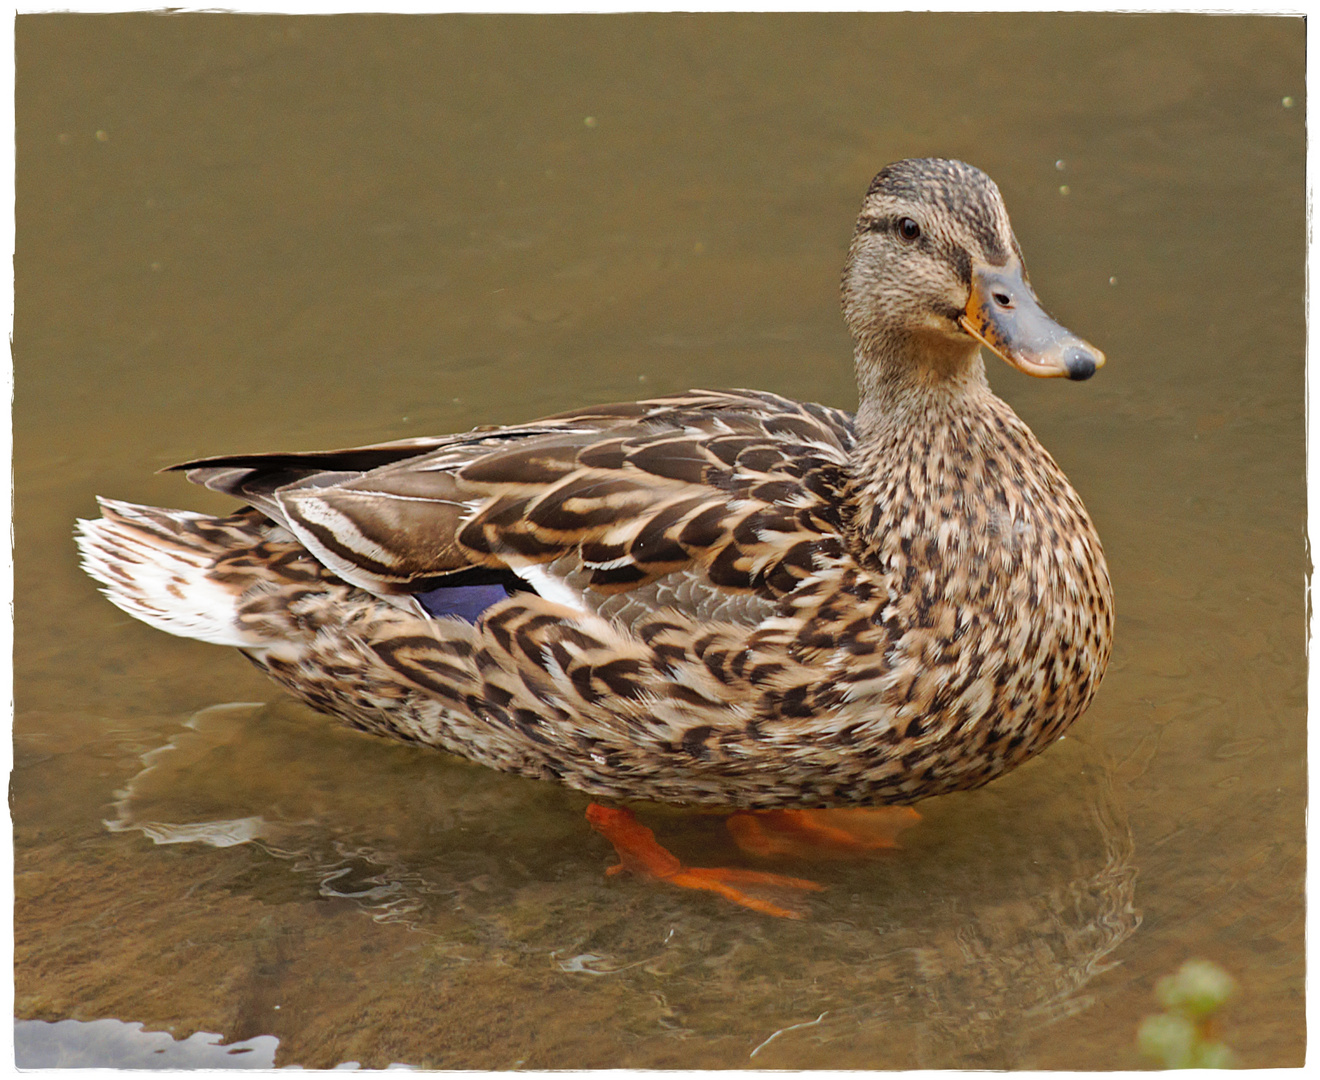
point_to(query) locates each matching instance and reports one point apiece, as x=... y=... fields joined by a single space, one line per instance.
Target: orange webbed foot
x=812 y=833
x=640 y=854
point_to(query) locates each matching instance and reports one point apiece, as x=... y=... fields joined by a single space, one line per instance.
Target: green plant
x=1184 y=1036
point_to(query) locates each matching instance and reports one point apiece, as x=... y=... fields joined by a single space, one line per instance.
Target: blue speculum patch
x=465 y=602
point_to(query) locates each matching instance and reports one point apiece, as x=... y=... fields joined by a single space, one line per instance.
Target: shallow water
x=241 y=233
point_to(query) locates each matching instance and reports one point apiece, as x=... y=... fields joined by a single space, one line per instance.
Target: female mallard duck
x=717 y=598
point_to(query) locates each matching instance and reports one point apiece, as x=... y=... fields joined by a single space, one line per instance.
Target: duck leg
x=640 y=854
x=808 y=833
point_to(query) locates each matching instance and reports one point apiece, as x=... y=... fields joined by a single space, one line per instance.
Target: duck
x=716 y=599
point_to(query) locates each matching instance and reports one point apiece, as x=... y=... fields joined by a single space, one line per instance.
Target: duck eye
x=908 y=229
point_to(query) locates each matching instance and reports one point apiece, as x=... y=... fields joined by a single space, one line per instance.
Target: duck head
x=934 y=272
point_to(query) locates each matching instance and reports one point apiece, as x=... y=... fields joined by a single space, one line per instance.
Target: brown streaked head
x=934 y=270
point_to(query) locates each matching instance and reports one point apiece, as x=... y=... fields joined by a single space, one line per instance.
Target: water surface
x=245 y=233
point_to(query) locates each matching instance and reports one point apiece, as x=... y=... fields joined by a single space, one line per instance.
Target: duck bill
x=1004 y=315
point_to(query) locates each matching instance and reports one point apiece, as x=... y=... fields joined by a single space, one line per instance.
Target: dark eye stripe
x=894 y=224
x=958 y=255
x=962 y=263
x=953 y=314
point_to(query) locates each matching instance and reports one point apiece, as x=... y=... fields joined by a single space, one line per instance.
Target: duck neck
x=920 y=430
x=907 y=386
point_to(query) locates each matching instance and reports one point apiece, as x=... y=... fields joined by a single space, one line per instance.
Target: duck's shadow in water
x=988 y=923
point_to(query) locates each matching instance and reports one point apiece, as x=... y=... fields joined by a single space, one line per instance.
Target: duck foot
x=811 y=833
x=640 y=854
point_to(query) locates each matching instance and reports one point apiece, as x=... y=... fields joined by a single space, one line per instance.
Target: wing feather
x=695 y=500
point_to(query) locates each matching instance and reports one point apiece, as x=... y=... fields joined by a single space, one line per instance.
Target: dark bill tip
x=1081 y=364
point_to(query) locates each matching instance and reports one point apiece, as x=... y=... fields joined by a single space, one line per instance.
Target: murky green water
x=245 y=233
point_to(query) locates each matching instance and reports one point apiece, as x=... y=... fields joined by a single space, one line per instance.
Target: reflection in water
x=1002 y=905
x=112 y=1044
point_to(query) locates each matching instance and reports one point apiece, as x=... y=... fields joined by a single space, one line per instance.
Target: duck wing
x=719 y=503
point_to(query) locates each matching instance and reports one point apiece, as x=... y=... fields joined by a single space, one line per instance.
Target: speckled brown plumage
x=724 y=598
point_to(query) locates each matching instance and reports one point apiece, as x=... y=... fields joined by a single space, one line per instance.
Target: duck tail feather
x=156 y=565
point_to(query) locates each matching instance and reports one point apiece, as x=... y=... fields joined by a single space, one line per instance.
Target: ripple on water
x=989 y=923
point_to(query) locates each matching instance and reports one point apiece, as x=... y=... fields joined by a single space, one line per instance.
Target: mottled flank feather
x=725 y=598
